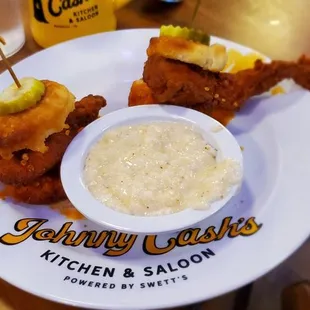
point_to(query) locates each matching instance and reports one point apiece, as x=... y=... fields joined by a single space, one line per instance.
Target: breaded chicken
x=33 y=177
x=29 y=128
x=45 y=190
x=175 y=82
x=140 y=94
x=86 y=111
x=26 y=165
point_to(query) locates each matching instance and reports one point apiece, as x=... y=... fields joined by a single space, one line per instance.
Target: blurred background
x=277 y=28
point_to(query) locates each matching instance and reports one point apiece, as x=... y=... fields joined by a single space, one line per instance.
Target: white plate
x=73 y=164
x=274 y=200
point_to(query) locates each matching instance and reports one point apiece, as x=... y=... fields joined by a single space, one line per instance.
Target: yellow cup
x=55 y=21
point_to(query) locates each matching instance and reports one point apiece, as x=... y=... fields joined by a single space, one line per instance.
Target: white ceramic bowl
x=74 y=159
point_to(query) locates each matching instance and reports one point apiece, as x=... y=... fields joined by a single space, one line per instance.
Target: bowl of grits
x=152 y=169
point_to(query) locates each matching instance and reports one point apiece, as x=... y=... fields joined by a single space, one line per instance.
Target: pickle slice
x=186 y=33
x=14 y=99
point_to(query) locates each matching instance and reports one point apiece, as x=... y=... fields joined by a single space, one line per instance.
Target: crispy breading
x=41 y=184
x=25 y=166
x=175 y=82
x=211 y=58
x=140 y=94
x=86 y=111
x=30 y=128
x=140 y=90
x=45 y=190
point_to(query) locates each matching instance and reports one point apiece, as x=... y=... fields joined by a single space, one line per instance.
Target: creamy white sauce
x=157 y=168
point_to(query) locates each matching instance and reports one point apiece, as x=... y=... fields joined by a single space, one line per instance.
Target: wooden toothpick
x=8 y=65
x=195 y=12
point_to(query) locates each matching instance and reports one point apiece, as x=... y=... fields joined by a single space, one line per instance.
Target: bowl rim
x=72 y=165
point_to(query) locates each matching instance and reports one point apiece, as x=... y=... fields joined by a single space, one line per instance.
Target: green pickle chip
x=186 y=33
x=14 y=99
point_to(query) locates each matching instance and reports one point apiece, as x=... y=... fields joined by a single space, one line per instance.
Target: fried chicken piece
x=26 y=166
x=301 y=73
x=86 y=111
x=29 y=129
x=174 y=82
x=140 y=94
x=45 y=190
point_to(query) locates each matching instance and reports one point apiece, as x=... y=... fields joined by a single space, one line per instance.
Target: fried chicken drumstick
x=187 y=73
x=175 y=82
